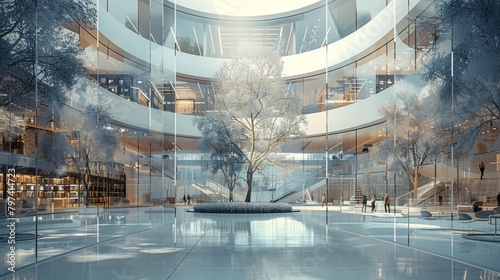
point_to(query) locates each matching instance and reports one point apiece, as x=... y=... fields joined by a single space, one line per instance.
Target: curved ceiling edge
x=234 y=9
x=341 y=119
x=340 y=53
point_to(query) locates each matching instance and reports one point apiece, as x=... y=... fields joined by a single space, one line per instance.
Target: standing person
x=387 y=202
x=189 y=199
x=373 y=202
x=323 y=200
x=481 y=168
x=184 y=199
x=498 y=199
x=341 y=199
x=364 y=201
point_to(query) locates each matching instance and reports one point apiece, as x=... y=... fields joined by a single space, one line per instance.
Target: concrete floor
x=168 y=243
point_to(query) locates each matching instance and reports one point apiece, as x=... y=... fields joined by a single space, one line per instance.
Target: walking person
x=374 y=199
x=498 y=199
x=481 y=168
x=189 y=199
x=184 y=199
x=387 y=203
x=323 y=200
x=364 y=201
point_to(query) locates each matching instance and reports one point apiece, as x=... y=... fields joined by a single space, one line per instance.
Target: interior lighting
x=175 y=39
x=220 y=41
x=197 y=43
x=326 y=36
x=211 y=38
x=281 y=34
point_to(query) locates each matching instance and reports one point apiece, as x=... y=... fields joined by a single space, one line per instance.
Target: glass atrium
x=99 y=140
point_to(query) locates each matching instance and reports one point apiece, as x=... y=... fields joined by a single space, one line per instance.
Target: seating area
x=479 y=216
x=483 y=215
x=465 y=217
x=426 y=214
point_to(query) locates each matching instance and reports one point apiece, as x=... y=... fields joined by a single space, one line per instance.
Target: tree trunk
x=231 y=195
x=249 y=183
x=415 y=182
x=86 y=180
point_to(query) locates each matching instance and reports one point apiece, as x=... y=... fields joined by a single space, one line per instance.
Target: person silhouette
x=387 y=203
x=481 y=168
x=374 y=199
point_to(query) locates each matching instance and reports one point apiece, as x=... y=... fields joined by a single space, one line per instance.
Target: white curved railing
x=340 y=120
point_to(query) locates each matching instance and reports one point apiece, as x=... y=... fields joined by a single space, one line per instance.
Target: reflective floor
x=183 y=245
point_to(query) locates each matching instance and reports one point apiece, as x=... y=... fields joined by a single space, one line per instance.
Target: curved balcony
x=359 y=66
x=353 y=47
x=343 y=119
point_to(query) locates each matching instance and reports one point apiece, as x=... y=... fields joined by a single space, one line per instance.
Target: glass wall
x=63 y=172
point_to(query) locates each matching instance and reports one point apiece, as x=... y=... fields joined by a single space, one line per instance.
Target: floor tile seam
x=52 y=258
x=420 y=250
x=190 y=250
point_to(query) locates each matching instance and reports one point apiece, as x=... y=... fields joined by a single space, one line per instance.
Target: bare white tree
x=252 y=98
x=10 y=124
x=86 y=139
x=221 y=150
x=420 y=134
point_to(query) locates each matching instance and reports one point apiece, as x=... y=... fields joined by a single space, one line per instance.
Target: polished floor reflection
x=178 y=244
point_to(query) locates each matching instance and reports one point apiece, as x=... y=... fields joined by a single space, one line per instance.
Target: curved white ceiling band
x=340 y=53
x=347 y=50
x=358 y=115
x=242 y=8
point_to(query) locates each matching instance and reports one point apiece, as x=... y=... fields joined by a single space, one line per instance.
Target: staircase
x=347 y=91
x=425 y=192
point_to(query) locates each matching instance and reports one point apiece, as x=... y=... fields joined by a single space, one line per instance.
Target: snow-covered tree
x=84 y=139
x=252 y=99
x=37 y=51
x=10 y=124
x=420 y=133
x=471 y=29
x=220 y=145
x=40 y=56
x=96 y=143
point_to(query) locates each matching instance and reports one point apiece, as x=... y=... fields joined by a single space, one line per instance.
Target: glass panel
x=126 y=12
x=169 y=15
x=344 y=17
x=190 y=35
x=157 y=28
x=144 y=13
x=344 y=86
x=366 y=10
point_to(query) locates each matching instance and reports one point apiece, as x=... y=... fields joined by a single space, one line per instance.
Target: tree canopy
x=37 y=51
x=420 y=134
x=220 y=146
x=96 y=142
x=253 y=101
x=471 y=28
